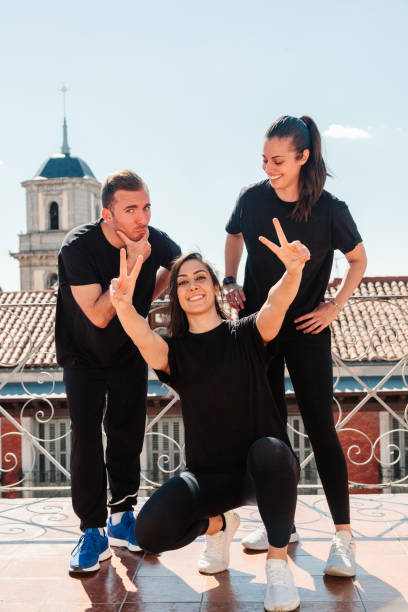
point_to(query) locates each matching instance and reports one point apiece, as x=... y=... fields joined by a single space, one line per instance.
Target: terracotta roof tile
x=373 y=329
x=27 y=320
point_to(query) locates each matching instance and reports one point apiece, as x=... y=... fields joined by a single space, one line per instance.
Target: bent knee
x=268 y=453
x=148 y=536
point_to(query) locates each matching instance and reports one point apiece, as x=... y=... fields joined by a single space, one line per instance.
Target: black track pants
x=309 y=362
x=179 y=511
x=116 y=396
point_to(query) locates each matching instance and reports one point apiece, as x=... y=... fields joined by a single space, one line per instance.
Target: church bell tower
x=63 y=193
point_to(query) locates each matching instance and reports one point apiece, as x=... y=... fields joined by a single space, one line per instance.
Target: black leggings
x=309 y=362
x=179 y=511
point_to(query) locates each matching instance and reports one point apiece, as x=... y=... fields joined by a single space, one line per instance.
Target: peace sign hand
x=121 y=289
x=293 y=255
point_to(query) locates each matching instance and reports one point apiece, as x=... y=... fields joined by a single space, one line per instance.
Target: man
x=104 y=374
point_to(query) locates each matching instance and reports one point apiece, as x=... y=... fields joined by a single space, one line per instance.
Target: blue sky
x=182 y=92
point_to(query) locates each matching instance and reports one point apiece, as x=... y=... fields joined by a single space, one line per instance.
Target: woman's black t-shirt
x=329 y=227
x=226 y=400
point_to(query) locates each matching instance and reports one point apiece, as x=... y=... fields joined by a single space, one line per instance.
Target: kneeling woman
x=237 y=449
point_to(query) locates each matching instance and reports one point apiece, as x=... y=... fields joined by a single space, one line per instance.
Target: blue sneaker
x=123 y=534
x=92 y=547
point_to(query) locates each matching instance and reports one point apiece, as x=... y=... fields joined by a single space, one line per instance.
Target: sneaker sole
x=102 y=557
x=332 y=570
x=294 y=537
x=124 y=544
x=287 y=608
x=210 y=573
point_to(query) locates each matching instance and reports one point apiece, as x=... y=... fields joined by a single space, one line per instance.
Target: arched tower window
x=51 y=280
x=54 y=216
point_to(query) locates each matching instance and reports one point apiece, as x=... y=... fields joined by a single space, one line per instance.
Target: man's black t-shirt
x=329 y=227
x=226 y=400
x=86 y=257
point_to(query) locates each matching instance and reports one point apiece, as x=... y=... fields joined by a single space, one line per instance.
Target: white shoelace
x=341 y=546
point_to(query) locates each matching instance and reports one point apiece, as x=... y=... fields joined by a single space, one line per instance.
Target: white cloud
x=1 y=163
x=342 y=131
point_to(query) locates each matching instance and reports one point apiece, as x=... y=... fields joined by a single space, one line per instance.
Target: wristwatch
x=229 y=280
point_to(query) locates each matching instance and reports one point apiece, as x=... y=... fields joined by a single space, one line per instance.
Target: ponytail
x=305 y=135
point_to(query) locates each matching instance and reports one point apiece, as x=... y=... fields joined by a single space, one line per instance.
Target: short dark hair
x=178 y=321
x=122 y=179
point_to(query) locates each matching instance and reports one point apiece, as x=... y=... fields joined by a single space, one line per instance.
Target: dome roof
x=63 y=165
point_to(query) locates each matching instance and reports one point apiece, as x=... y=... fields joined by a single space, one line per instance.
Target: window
x=51 y=280
x=54 y=216
x=58 y=444
x=302 y=447
x=394 y=452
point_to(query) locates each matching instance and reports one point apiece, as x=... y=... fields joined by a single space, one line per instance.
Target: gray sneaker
x=342 y=556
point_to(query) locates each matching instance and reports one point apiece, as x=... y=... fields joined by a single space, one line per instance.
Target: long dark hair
x=305 y=135
x=178 y=320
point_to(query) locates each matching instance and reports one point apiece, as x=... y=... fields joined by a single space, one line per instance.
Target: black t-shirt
x=226 y=400
x=86 y=257
x=329 y=227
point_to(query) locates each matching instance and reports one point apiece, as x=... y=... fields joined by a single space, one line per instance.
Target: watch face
x=228 y=280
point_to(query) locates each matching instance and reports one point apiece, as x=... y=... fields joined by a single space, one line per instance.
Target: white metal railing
x=387 y=454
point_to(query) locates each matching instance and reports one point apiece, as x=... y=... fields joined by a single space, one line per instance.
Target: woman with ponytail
x=294 y=193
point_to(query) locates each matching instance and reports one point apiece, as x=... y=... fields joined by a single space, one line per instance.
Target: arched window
x=51 y=280
x=54 y=216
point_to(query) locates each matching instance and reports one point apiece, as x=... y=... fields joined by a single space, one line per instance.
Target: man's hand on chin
x=134 y=248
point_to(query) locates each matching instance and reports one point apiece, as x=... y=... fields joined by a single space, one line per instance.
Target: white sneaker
x=258 y=539
x=216 y=553
x=281 y=592
x=342 y=556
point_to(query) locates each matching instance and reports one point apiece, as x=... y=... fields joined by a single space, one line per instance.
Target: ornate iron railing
x=389 y=449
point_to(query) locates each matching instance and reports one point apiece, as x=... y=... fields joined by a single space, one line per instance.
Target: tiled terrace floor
x=36 y=537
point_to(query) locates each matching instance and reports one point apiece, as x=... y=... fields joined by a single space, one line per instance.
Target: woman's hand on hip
x=316 y=321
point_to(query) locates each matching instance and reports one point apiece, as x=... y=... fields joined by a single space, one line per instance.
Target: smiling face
x=129 y=213
x=196 y=291
x=282 y=163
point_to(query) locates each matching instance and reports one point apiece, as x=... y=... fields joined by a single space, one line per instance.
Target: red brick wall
x=359 y=449
x=10 y=443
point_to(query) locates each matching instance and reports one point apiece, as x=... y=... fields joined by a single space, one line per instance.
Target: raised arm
x=293 y=255
x=153 y=348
